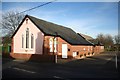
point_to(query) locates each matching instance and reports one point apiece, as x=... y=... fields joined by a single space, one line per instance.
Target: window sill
x=27 y=49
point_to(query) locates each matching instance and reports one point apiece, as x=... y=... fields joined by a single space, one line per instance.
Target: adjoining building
x=98 y=47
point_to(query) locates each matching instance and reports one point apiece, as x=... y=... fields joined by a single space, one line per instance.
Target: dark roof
x=52 y=29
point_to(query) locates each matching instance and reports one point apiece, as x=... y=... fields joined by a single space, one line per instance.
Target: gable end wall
x=38 y=39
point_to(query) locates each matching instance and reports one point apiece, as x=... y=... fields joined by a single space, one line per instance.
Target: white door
x=64 y=50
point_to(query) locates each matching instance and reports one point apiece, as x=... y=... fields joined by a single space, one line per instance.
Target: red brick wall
x=60 y=41
x=46 y=48
x=21 y=56
x=59 y=46
x=81 y=51
x=97 y=49
x=33 y=57
x=71 y=48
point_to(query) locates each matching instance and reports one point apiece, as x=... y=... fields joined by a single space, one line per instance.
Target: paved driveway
x=97 y=66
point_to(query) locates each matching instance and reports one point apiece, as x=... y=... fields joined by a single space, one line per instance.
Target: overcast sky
x=89 y=18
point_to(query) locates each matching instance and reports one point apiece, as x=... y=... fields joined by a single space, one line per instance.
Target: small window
x=74 y=54
x=77 y=53
x=88 y=48
x=68 y=49
x=83 y=48
x=81 y=55
x=26 y=21
x=22 y=41
x=91 y=47
x=88 y=53
x=32 y=40
x=84 y=54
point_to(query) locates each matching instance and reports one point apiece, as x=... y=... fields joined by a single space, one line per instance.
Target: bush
x=81 y=55
x=6 y=49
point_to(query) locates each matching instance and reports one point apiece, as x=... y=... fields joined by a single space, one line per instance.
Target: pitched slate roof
x=52 y=29
x=85 y=36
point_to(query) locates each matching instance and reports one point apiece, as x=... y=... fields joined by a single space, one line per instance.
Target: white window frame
x=27 y=46
x=51 y=44
x=32 y=41
x=23 y=41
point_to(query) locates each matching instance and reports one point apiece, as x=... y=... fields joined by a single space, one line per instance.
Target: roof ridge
x=48 y=21
x=65 y=33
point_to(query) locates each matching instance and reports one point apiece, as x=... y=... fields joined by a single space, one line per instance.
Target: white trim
x=30 y=41
x=55 y=45
x=29 y=47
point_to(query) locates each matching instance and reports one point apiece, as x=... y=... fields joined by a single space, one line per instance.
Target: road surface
x=97 y=66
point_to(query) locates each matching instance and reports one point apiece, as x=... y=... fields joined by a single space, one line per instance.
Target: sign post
x=116 y=60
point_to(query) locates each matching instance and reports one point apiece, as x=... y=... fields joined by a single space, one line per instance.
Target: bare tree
x=106 y=40
x=117 y=39
x=100 y=38
x=10 y=21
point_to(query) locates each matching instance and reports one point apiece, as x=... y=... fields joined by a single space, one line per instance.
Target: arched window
x=22 y=41
x=27 y=38
x=32 y=40
x=55 y=45
x=51 y=44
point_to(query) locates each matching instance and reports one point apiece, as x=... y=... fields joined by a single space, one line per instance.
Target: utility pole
x=116 y=60
x=116 y=53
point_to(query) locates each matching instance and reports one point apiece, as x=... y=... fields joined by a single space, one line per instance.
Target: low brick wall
x=42 y=58
x=34 y=57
